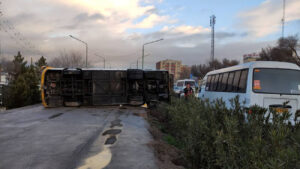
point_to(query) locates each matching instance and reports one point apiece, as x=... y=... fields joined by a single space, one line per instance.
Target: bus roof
x=257 y=64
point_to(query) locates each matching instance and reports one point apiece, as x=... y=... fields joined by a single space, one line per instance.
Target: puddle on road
x=110 y=140
x=115 y=123
x=98 y=161
x=112 y=132
x=103 y=158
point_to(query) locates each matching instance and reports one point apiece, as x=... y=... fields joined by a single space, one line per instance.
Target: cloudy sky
x=117 y=29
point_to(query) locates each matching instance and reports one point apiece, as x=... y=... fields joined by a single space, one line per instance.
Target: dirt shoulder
x=167 y=156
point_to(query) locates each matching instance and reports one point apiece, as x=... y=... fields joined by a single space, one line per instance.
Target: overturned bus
x=95 y=87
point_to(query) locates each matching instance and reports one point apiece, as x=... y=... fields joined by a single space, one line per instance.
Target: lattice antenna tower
x=212 y=25
x=283 y=18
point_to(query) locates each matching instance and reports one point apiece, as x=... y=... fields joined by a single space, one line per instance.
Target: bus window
x=208 y=83
x=236 y=81
x=230 y=82
x=243 y=81
x=224 y=82
x=220 y=82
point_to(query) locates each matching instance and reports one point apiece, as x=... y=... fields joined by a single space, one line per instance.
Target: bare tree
x=71 y=59
x=285 y=51
x=201 y=70
x=185 y=72
x=6 y=65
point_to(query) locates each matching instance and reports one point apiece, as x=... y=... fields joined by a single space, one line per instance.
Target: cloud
x=266 y=18
x=105 y=25
x=152 y=20
x=85 y=17
x=186 y=29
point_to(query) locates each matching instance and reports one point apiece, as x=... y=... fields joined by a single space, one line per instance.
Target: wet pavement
x=65 y=138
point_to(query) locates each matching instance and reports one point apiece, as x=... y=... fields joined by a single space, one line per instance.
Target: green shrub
x=213 y=136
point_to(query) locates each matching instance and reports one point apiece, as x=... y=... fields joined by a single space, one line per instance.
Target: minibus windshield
x=192 y=83
x=276 y=81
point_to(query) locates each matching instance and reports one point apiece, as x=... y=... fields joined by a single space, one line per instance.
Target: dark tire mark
x=55 y=115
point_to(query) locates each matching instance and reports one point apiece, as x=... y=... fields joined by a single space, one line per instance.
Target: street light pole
x=86 y=49
x=143 y=51
x=103 y=59
x=137 y=61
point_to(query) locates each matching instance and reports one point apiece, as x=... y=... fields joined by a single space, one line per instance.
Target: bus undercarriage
x=93 y=87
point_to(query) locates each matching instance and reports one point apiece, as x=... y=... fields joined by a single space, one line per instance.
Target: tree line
x=23 y=86
x=284 y=51
x=24 y=79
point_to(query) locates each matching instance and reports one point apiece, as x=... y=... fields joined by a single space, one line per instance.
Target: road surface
x=33 y=137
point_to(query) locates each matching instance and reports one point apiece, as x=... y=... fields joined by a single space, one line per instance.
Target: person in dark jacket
x=188 y=91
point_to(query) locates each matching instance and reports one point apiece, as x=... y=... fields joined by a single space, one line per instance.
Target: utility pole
x=283 y=19
x=212 y=24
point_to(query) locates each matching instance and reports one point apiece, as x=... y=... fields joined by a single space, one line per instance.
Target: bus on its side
x=95 y=87
x=267 y=84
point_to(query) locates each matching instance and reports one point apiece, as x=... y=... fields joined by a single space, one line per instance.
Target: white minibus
x=264 y=83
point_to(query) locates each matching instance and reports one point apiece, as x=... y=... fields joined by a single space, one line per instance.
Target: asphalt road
x=33 y=137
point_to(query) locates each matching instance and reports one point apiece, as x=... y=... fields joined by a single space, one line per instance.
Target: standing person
x=188 y=91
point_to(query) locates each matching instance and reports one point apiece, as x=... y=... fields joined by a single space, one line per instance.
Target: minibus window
x=243 y=81
x=208 y=83
x=236 y=81
x=230 y=81
x=180 y=84
x=215 y=82
x=224 y=81
x=276 y=81
x=192 y=83
x=212 y=82
x=220 y=82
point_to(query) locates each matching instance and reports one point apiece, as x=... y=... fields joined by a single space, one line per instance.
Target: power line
x=15 y=35
x=18 y=37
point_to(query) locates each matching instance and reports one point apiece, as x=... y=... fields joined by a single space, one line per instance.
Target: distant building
x=173 y=66
x=4 y=79
x=185 y=72
x=250 y=57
